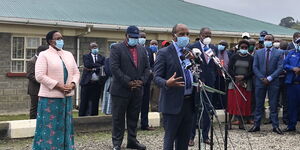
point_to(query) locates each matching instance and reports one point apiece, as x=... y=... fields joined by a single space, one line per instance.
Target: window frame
x=24 y=59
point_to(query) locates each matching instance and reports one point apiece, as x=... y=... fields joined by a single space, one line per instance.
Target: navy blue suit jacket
x=209 y=70
x=89 y=63
x=166 y=63
x=275 y=65
x=291 y=46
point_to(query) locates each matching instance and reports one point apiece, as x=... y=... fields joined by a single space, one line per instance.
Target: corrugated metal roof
x=146 y=13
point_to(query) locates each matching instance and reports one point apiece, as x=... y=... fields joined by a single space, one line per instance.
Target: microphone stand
x=225 y=72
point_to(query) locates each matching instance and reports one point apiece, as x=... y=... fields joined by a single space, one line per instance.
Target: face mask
x=276 y=44
x=268 y=44
x=95 y=51
x=133 y=41
x=59 y=44
x=221 y=47
x=182 y=41
x=207 y=41
x=261 y=38
x=153 y=48
x=243 y=51
x=142 y=41
x=251 y=48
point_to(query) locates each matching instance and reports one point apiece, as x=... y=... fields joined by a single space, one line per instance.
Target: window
x=23 y=49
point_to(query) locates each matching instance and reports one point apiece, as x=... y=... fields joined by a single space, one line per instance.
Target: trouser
x=178 y=127
x=33 y=106
x=129 y=108
x=260 y=95
x=293 y=94
x=90 y=95
x=283 y=99
x=145 y=106
x=155 y=90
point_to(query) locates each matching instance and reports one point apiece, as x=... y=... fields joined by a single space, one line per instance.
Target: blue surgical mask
x=243 y=51
x=221 y=47
x=182 y=41
x=59 y=44
x=268 y=44
x=142 y=41
x=153 y=48
x=133 y=41
x=261 y=38
x=95 y=51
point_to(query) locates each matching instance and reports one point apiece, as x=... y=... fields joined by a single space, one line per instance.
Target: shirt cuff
x=269 y=78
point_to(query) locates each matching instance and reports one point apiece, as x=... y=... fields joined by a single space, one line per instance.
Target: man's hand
x=174 y=82
x=139 y=82
x=265 y=81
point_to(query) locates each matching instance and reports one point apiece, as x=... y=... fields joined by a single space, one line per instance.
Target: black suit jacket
x=33 y=85
x=88 y=62
x=123 y=69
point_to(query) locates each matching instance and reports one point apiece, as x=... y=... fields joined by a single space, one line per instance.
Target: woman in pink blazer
x=58 y=74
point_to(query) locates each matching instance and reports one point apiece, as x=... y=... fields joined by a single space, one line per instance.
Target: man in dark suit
x=176 y=97
x=208 y=76
x=292 y=45
x=130 y=71
x=91 y=81
x=147 y=85
x=267 y=67
x=33 y=85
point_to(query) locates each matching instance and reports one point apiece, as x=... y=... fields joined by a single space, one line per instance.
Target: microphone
x=211 y=54
x=197 y=53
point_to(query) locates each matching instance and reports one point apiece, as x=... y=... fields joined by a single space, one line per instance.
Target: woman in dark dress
x=240 y=68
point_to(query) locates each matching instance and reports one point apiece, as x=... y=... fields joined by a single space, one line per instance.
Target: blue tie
x=187 y=79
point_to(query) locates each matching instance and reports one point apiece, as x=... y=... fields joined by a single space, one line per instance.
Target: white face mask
x=207 y=41
x=276 y=44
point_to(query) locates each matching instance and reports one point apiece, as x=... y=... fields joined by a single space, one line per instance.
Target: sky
x=271 y=11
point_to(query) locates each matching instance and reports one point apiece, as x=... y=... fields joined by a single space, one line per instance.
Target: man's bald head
x=180 y=30
x=142 y=35
x=252 y=41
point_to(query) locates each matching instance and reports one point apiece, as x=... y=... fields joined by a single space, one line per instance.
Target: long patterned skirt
x=54 y=124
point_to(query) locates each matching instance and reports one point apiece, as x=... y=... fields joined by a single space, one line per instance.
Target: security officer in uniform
x=292 y=66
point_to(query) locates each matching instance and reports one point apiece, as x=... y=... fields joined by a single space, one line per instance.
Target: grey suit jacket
x=275 y=65
x=33 y=85
x=123 y=69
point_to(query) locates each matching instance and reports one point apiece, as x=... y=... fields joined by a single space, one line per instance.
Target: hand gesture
x=175 y=82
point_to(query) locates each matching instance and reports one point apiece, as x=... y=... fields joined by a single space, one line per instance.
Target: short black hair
x=205 y=28
x=296 y=34
x=49 y=36
x=243 y=42
x=174 y=29
x=41 y=48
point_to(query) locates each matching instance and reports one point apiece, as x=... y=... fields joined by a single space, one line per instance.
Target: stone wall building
x=24 y=24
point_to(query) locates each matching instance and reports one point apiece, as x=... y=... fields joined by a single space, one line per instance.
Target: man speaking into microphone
x=176 y=98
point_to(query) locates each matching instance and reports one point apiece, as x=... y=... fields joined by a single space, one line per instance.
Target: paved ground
x=264 y=140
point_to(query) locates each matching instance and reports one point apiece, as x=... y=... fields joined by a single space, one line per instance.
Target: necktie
x=188 y=81
x=267 y=61
x=95 y=58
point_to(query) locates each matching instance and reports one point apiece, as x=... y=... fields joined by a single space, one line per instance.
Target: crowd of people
x=134 y=73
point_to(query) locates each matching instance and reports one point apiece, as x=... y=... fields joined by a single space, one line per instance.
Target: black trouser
x=130 y=106
x=89 y=103
x=33 y=106
x=145 y=106
x=283 y=99
x=178 y=127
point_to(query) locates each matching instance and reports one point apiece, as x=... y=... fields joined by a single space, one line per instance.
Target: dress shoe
x=277 y=130
x=148 y=129
x=254 y=129
x=117 y=148
x=207 y=141
x=191 y=143
x=136 y=145
x=289 y=130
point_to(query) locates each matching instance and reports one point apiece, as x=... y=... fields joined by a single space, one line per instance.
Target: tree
x=287 y=22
